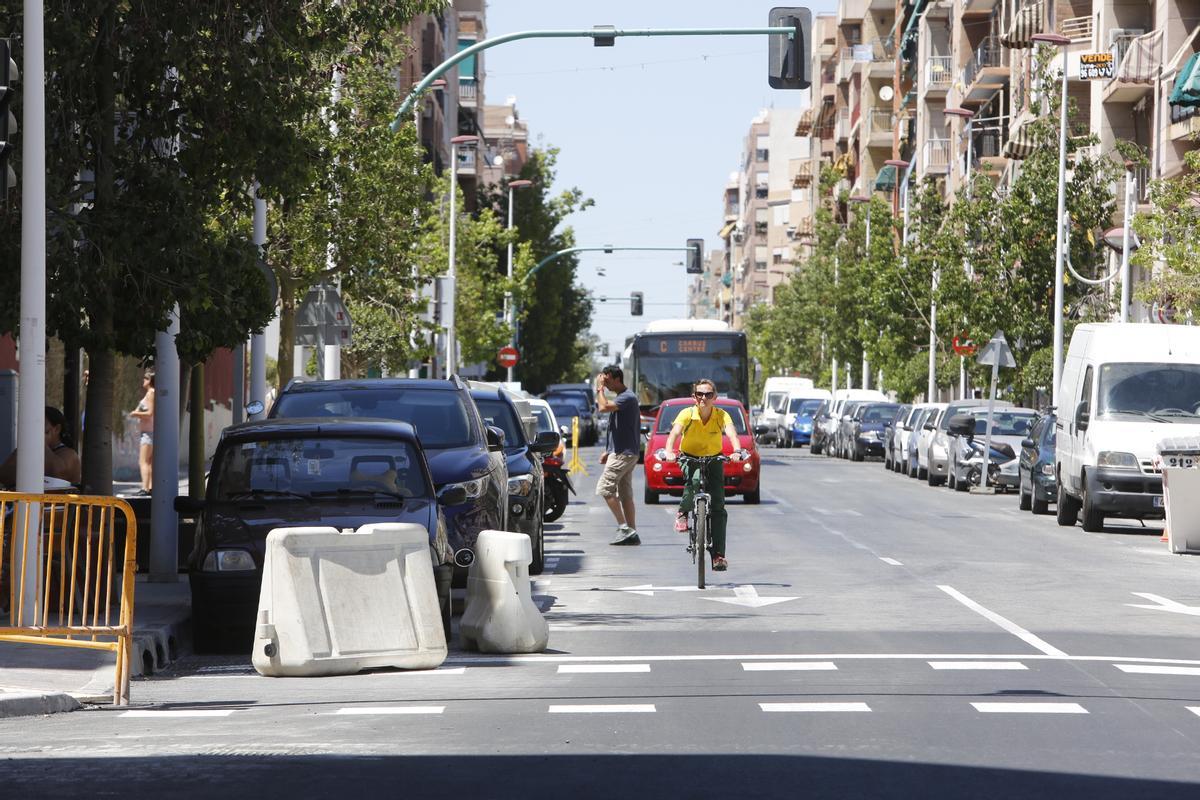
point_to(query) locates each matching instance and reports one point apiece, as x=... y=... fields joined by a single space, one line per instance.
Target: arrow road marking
x=1165 y=604
x=748 y=596
x=649 y=589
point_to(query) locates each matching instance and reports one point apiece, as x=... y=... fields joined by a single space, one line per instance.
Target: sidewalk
x=44 y=679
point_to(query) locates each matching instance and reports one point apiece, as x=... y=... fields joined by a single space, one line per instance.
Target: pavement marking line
x=555 y=659
x=148 y=714
x=1194 y=709
x=817 y=707
x=822 y=511
x=851 y=512
x=1147 y=669
x=363 y=711
x=437 y=671
x=1029 y=708
x=891 y=561
x=577 y=668
x=1006 y=624
x=647 y=708
x=1012 y=665
x=787 y=666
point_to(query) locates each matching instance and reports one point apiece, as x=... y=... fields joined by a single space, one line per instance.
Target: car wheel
x=1093 y=518
x=753 y=498
x=815 y=449
x=538 y=563
x=951 y=481
x=1036 y=504
x=1068 y=507
x=651 y=497
x=1025 y=502
x=959 y=485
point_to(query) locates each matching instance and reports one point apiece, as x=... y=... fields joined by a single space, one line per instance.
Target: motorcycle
x=558 y=484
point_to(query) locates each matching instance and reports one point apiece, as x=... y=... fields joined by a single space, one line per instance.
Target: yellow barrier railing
x=77 y=574
x=575 y=465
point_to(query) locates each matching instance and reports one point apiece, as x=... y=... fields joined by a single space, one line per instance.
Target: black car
x=582 y=398
x=463 y=453
x=524 y=461
x=300 y=472
x=867 y=429
x=1036 y=482
x=820 y=437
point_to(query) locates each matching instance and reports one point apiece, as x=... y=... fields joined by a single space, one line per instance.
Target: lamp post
x=451 y=274
x=1125 y=248
x=865 y=199
x=509 y=317
x=968 y=116
x=1059 y=233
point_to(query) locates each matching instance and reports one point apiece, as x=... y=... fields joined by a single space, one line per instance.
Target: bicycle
x=699 y=528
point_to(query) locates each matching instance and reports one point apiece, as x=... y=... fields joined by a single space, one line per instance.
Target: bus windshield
x=665 y=366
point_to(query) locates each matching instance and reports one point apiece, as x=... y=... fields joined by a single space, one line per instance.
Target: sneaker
x=719 y=564
x=628 y=536
x=681 y=523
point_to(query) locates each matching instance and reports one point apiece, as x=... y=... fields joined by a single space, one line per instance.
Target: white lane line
x=802 y=707
x=822 y=511
x=566 y=668
x=364 y=711
x=891 y=561
x=787 y=666
x=647 y=708
x=1006 y=624
x=1194 y=709
x=1029 y=708
x=977 y=665
x=147 y=714
x=1152 y=670
x=556 y=659
x=438 y=671
x=852 y=512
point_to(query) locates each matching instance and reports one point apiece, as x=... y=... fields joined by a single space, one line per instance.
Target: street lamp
x=866 y=364
x=1057 y=40
x=451 y=275
x=509 y=317
x=967 y=116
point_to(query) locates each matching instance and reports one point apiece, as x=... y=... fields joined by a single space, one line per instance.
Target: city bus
x=662 y=361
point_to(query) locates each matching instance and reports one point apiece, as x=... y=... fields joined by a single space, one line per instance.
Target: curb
x=35 y=704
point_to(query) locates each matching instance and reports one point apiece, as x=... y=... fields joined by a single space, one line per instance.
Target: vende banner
x=1096 y=66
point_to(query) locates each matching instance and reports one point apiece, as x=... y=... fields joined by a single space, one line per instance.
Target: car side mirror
x=565 y=430
x=545 y=442
x=761 y=428
x=189 y=505
x=254 y=408
x=452 y=496
x=495 y=438
x=1082 y=417
x=961 y=425
x=645 y=428
x=1027 y=442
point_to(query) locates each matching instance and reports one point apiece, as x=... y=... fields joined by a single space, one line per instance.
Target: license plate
x=1158 y=501
x=1180 y=461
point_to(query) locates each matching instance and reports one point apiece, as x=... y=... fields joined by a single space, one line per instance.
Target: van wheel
x=1068 y=507
x=1093 y=518
x=1026 y=501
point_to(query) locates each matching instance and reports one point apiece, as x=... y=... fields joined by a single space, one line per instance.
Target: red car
x=662 y=477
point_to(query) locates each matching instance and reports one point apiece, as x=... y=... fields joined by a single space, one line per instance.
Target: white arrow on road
x=1165 y=604
x=748 y=596
x=649 y=589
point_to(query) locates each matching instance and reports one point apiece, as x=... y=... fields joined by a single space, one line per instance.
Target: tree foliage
x=1170 y=239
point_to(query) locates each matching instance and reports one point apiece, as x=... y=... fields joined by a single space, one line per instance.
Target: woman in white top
x=144 y=414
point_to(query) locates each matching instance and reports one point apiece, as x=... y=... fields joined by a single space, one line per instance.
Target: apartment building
x=705 y=292
x=505 y=143
x=428 y=35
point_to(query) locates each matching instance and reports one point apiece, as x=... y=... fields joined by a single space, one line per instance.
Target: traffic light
x=695 y=256
x=8 y=120
x=635 y=303
x=789 y=57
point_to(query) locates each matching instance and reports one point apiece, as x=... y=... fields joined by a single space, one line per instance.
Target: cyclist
x=699 y=430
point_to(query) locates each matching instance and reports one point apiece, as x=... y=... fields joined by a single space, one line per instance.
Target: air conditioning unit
x=791 y=231
x=1120 y=33
x=739 y=235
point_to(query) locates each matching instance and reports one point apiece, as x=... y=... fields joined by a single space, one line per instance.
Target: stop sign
x=508 y=356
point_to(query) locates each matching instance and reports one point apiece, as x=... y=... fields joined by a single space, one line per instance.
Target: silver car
x=1009 y=427
x=925 y=438
x=937 y=449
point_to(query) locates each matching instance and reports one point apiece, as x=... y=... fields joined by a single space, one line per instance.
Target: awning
x=728 y=229
x=1022 y=144
x=885 y=181
x=1186 y=91
x=1027 y=21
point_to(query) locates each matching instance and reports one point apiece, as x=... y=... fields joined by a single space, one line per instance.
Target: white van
x=1125 y=387
x=796 y=402
x=774 y=400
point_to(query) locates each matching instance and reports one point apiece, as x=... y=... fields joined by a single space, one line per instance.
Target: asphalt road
x=873 y=637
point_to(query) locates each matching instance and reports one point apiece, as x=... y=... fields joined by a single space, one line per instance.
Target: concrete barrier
x=336 y=603
x=500 y=616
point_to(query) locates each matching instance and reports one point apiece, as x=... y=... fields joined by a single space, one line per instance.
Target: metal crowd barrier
x=79 y=575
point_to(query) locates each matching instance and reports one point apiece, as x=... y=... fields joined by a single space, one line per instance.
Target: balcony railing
x=803 y=176
x=937 y=155
x=989 y=55
x=843 y=124
x=937 y=72
x=467 y=91
x=1077 y=29
x=1139 y=57
x=881 y=120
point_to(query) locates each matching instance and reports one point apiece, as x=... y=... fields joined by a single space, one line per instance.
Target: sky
x=650 y=129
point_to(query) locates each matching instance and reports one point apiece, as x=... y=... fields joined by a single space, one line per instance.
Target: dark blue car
x=802 y=425
x=463 y=453
x=868 y=427
x=1036 y=482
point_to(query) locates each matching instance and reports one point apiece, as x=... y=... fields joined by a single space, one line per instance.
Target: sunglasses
x=704 y=395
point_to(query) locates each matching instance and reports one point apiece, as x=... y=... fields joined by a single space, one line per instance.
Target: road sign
x=508 y=356
x=997 y=353
x=322 y=318
x=963 y=345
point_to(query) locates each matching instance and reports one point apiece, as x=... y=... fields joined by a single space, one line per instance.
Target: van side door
x=1077 y=447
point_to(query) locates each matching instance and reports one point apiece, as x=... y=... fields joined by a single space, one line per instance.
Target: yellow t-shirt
x=701 y=438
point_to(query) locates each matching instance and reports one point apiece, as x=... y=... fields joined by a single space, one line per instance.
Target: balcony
x=1141 y=188
x=804 y=176
x=845 y=65
x=987 y=72
x=1138 y=59
x=937 y=75
x=1185 y=123
x=842 y=128
x=883 y=58
x=804 y=126
x=881 y=126
x=978 y=6
x=1077 y=29
x=468 y=93
x=936 y=158
x=466 y=161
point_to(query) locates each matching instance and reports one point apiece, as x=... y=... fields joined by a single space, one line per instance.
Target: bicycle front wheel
x=701 y=516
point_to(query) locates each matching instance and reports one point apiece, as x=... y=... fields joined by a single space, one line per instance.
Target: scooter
x=558 y=483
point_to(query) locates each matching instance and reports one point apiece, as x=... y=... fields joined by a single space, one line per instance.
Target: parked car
x=575 y=404
x=1009 y=427
x=526 y=490
x=892 y=436
x=868 y=428
x=774 y=405
x=844 y=399
x=1125 y=387
x=925 y=439
x=1036 y=483
x=666 y=477
x=804 y=423
x=799 y=409
x=911 y=446
x=821 y=422
x=463 y=453
x=341 y=473
x=937 y=455
x=845 y=431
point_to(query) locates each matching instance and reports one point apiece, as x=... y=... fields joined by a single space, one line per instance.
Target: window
x=762 y=148
x=466 y=67
x=760 y=259
x=500 y=415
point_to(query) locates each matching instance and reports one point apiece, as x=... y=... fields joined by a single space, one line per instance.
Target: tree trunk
x=287 y=332
x=98 y=428
x=196 y=434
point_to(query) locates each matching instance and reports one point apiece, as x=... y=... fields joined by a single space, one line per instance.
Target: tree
x=1170 y=237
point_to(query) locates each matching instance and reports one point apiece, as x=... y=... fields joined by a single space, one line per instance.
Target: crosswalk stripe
x=815 y=707
x=362 y=711
x=647 y=708
x=567 y=668
x=983 y=665
x=165 y=713
x=1029 y=708
x=1150 y=669
x=786 y=666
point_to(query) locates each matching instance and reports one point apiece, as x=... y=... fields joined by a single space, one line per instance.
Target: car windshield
x=775 y=400
x=667 y=415
x=439 y=416
x=574 y=402
x=499 y=414
x=544 y=421
x=564 y=413
x=1051 y=432
x=315 y=465
x=799 y=405
x=1005 y=423
x=880 y=413
x=1140 y=390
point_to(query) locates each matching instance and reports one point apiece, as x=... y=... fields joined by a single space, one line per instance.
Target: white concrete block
x=336 y=603
x=500 y=616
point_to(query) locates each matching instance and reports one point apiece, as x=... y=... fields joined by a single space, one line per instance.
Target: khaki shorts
x=617 y=478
